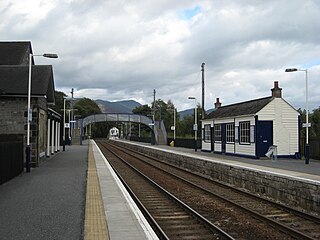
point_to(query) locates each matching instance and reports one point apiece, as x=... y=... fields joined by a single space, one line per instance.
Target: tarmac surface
x=48 y=202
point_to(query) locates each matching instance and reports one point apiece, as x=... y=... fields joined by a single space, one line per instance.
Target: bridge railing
x=117 y=117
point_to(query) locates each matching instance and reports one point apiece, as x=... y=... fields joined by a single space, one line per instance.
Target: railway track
x=169 y=217
x=272 y=219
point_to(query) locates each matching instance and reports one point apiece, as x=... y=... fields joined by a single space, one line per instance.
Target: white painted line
x=139 y=216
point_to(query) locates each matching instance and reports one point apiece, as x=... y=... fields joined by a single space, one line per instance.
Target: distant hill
x=125 y=106
x=188 y=112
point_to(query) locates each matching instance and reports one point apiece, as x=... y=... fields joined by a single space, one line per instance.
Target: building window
x=217 y=133
x=244 y=128
x=230 y=132
x=207 y=133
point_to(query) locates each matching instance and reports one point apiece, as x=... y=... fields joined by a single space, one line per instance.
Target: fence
x=185 y=142
x=314 y=143
x=11 y=156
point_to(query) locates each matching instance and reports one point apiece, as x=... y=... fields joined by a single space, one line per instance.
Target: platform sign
x=172 y=128
x=30 y=115
x=195 y=127
x=305 y=125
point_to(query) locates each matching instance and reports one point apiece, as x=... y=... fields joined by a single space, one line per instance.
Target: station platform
x=295 y=168
x=74 y=194
x=123 y=217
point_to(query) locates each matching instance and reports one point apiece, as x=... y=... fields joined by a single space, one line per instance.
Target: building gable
x=15 y=53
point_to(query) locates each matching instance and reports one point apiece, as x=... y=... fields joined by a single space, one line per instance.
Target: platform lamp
x=29 y=111
x=307 y=125
x=195 y=126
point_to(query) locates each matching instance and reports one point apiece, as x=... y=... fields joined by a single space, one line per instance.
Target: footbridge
x=158 y=129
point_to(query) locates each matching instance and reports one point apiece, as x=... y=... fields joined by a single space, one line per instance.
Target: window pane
x=217 y=132
x=244 y=132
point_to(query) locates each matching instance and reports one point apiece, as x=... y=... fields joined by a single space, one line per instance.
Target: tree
x=58 y=107
x=144 y=110
x=315 y=123
x=86 y=107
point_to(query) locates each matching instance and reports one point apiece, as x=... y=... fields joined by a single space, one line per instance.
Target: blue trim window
x=244 y=129
x=217 y=132
x=207 y=133
x=230 y=132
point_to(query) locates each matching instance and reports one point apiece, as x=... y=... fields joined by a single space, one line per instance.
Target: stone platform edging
x=296 y=192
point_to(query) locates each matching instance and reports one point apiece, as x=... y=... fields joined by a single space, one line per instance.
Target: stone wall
x=290 y=191
x=13 y=120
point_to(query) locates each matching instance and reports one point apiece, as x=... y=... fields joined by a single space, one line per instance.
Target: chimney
x=276 y=92
x=217 y=104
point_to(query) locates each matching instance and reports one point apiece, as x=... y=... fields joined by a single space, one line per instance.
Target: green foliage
x=86 y=107
x=315 y=123
x=164 y=112
x=58 y=107
x=144 y=110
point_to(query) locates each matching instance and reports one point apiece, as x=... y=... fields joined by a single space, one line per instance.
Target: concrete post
x=56 y=138
x=59 y=136
x=48 y=138
x=52 y=137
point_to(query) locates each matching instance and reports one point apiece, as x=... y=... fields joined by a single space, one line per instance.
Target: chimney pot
x=276 y=91
x=217 y=103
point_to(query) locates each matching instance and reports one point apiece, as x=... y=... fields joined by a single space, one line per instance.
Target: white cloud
x=117 y=50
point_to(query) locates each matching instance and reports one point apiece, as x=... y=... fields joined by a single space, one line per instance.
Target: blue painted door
x=264 y=137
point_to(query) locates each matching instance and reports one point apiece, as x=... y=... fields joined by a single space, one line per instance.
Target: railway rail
x=242 y=215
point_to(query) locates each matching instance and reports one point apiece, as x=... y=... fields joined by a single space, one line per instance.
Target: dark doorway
x=264 y=137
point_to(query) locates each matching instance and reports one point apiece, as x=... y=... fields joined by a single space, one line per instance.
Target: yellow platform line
x=95 y=226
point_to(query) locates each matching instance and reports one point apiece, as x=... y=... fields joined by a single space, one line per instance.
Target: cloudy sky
x=117 y=49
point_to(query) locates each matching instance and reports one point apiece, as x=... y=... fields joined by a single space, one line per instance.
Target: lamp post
x=29 y=111
x=307 y=125
x=195 y=126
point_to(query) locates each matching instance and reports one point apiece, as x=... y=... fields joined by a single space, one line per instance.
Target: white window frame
x=217 y=133
x=207 y=133
x=244 y=132
x=230 y=132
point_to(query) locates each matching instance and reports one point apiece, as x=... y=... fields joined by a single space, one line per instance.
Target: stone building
x=14 y=70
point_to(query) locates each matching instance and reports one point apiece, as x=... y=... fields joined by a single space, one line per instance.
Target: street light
x=195 y=126
x=29 y=111
x=307 y=125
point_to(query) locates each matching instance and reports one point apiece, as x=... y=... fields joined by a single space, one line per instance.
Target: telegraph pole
x=202 y=70
x=153 y=115
x=154 y=105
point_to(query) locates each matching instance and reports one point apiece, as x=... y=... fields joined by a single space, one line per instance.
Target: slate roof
x=14 y=81
x=14 y=53
x=239 y=109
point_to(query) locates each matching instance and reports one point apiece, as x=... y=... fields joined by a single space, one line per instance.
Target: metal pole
x=29 y=117
x=174 y=124
x=195 y=128
x=307 y=122
x=202 y=70
x=64 y=125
